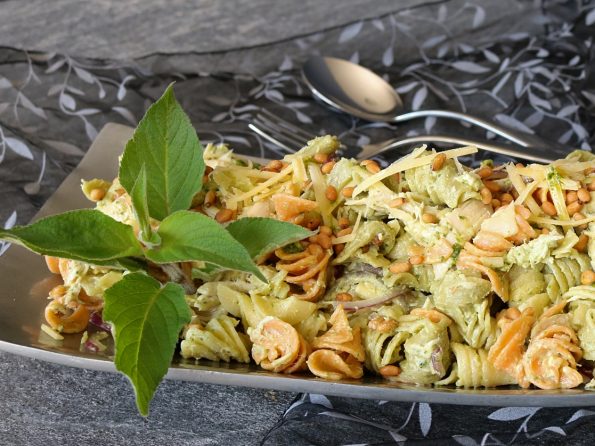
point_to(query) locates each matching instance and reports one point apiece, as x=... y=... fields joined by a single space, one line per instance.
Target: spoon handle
x=527 y=153
x=523 y=139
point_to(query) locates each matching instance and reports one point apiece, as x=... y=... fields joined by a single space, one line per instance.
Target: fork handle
x=528 y=153
x=523 y=139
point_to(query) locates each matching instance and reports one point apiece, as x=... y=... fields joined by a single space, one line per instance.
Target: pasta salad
x=426 y=272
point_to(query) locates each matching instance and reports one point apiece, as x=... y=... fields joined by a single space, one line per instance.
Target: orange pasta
x=339 y=352
x=507 y=352
x=278 y=347
x=551 y=358
x=287 y=206
x=307 y=269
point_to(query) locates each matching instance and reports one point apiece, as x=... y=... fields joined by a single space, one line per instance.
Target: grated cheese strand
x=519 y=185
x=410 y=163
x=232 y=203
x=51 y=332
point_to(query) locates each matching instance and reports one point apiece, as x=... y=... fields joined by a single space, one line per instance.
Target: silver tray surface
x=25 y=282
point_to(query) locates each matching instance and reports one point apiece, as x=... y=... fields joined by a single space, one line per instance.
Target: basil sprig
x=161 y=169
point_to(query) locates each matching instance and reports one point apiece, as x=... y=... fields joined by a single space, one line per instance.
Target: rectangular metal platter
x=25 y=282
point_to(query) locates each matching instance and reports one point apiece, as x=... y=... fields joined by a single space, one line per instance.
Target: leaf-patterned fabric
x=527 y=65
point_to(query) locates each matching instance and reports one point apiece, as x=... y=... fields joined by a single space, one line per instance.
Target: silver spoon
x=353 y=89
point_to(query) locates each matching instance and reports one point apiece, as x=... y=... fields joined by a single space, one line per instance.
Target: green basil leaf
x=263 y=235
x=146 y=320
x=86 y=234
x=166 y=144
x=138 y=194
x=187 y=235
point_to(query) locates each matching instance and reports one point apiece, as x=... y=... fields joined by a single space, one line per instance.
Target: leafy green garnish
x=187 y=235
x=85 y=234
x=146 y=318
x=263 y=235
x=138 y=194
x=162 y=169
x=165 y=143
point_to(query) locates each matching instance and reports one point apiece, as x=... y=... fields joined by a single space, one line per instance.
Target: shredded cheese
x=519 y=185
x=551 y=221
x=232 y=203
x=410 y=163
x=319 y=186
x=299 y=170
x=531 y=187
x=349 y=237
x=51 y=332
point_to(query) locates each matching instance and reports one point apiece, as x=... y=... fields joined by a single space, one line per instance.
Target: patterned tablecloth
x=528 y=65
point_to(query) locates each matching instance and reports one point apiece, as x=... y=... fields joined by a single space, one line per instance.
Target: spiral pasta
x=219 y=340
x=582 y=313
x=445 y=186
x=473 y=369
x=339 y=352
x=464 y=297
x=551 y=358
x=307 y=269
x=564 y=273
x=278 y=347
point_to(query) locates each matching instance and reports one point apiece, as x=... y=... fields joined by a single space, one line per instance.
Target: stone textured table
x=68 y=67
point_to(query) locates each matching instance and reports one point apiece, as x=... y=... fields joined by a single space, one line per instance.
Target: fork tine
x=266 y=135
x=280 y=132
x=288 y=125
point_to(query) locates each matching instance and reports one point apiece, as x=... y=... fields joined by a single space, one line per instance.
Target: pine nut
x=274 y=165
x=396 y=202
x=506 y=198
x=416 y=260
x=345 y=231
x=53 y=264
x=331 y=193
x=486 y=195
x=321 y=158
x=400 y=267
x=484 y=172
x=327 y=167
x=325 y=241
x=588 y=277
x=571 y=197
x=344 y=222
x=326 y=230
x=492 y=186
x=575 y=207
x=549 y=208
x=591 y=185
x=581 y=245
x=389 y=370
x=371 y=166
x=438 y=162
x=429 y=218
x=496 y=203
x=382 y=324
x=97 y=194
x=583 y=195
x=347 y=192
x=224 y=215
x=339 y=248
x=344 y=297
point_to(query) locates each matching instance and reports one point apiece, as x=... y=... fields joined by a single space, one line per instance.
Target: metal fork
x=290 y=138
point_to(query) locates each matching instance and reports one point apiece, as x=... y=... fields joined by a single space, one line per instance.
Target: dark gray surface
x=47 y=404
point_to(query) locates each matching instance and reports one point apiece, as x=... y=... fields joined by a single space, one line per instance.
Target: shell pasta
x=427 y=271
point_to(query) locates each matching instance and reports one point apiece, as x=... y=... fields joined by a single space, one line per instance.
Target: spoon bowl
x=358 y=91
